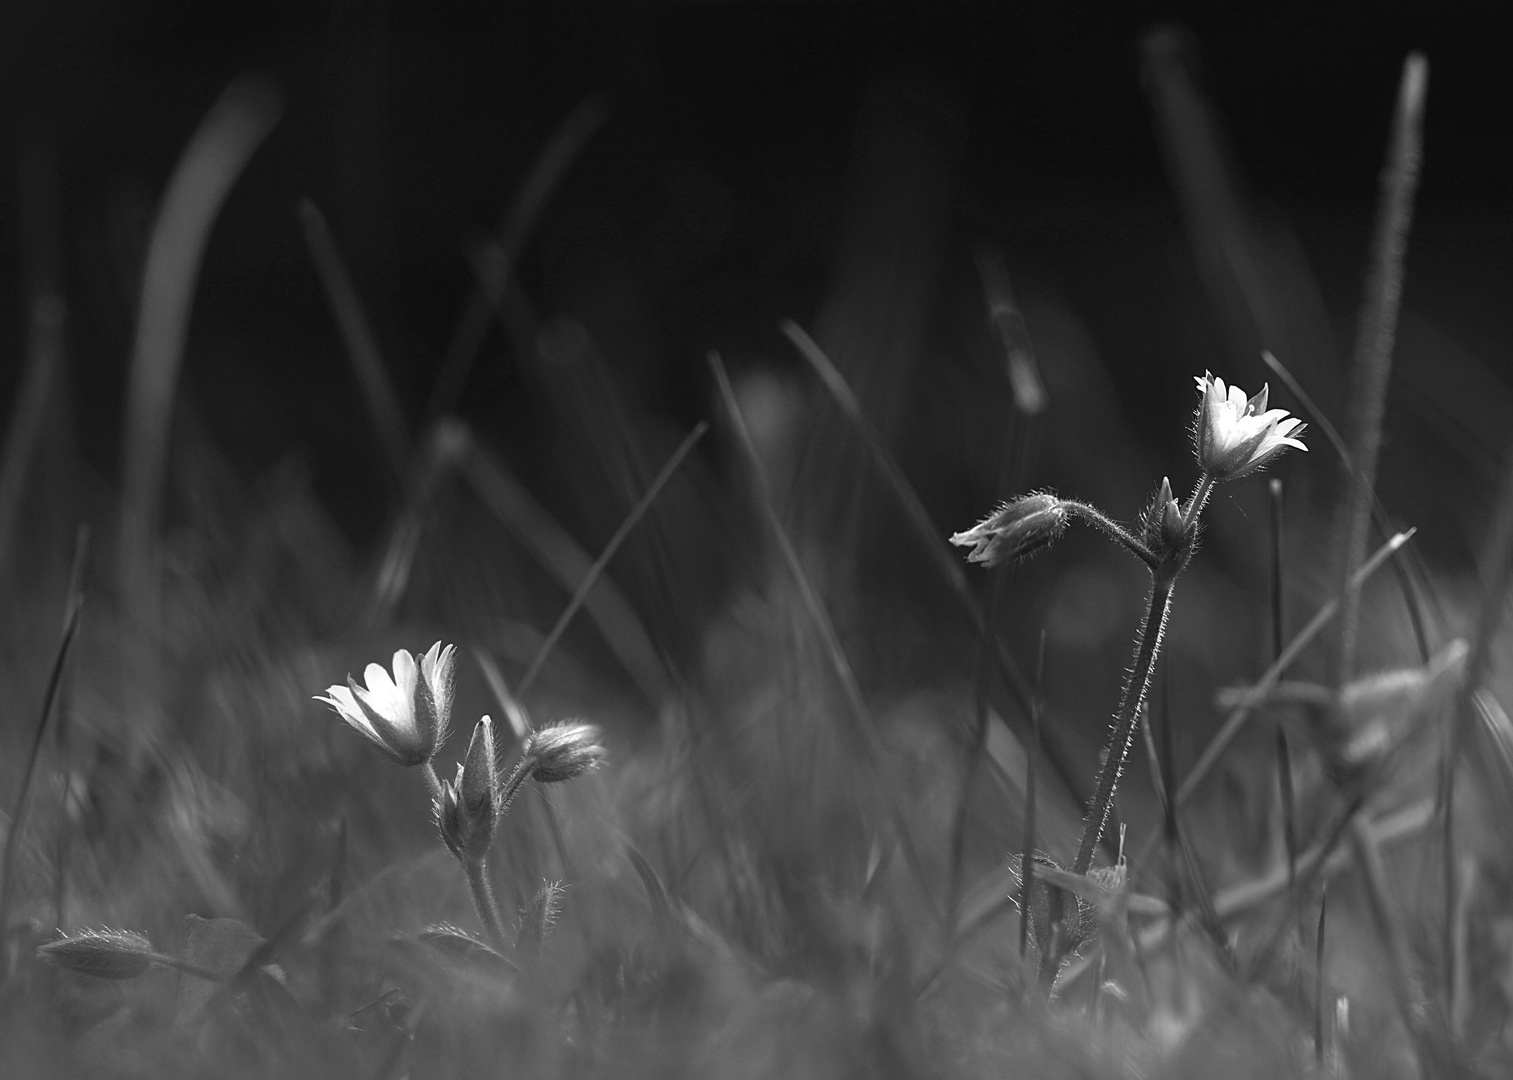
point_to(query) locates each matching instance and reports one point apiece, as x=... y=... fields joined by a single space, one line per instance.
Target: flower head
x=1015 y=531
x=1234 y=435
x=404 y=715
x=563 y=751
x=467 y=810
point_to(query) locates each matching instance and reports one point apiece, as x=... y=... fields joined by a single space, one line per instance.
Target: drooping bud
x=563 y=751
x=105 y=954
x=1015 y=531
x=467 y=810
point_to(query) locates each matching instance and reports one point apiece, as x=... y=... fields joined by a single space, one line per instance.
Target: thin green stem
x=483 y=899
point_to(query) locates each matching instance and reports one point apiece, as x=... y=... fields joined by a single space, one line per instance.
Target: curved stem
x=1091 y=515
x=187 y=968
x=483 y=899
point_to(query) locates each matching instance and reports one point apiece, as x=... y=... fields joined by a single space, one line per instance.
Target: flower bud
x=563 y=751
x=105 y=954
x=1015 y=531
x=467 y=810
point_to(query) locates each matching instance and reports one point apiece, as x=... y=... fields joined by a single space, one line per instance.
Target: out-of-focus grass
x=752 y=886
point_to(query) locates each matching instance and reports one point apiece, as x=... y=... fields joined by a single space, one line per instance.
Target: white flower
x=1234 y=435
x=405 y=715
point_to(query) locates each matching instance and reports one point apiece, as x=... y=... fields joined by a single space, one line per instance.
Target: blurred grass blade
x=44 y=354
x=358 y=337
x=498 y=261
x=560 y=554
x=1030 y=398
x=1497 y=577
x=1407 y=570
x=580 y=594
x=221 y=147
x=863 y=734
x=1056 y=753
x=40 y=223
x=73 y=608
x=1373 y=353
x=1242 y=713
x=514 y=712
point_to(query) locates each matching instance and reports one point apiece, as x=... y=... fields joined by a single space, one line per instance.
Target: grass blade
x=358 y=337
x=560 y=554
x=210 y=164
x=73 y=608
x=1373 y=352
x=861 y=727
x=580 y=595
x=1242 y=713
x=498 y=262
x=1058 y=757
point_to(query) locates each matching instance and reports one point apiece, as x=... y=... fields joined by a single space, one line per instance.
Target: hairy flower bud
x=105 y=954
x=467 y=810
x=1015 y=531
x=563 y=751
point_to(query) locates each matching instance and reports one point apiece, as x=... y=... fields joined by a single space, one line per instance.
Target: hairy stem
x=1116 y=747
x=1199 y=500
x=477 y=871
x=433 y=782
x=1091 y=515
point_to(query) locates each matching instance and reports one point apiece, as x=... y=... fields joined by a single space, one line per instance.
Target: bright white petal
x=405 y=673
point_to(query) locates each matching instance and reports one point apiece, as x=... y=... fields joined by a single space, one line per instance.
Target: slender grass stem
x=1373 y=353
x=75 y=606
x=580 y=594
x=1027 y=856
x=1284 y=754
x=477 y=871
x=1318 y=978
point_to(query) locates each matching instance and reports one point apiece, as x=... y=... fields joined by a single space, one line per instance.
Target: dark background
x=711 y=203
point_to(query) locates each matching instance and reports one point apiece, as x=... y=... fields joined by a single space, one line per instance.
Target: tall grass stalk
x=72 y=611
x=1373 y=353
x=864 y=735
